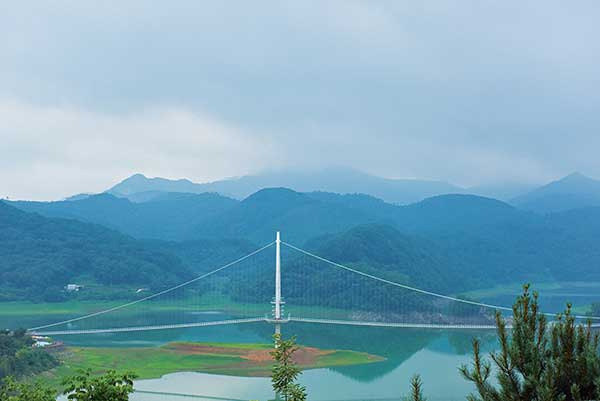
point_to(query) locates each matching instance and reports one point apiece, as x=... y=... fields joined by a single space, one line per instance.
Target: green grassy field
x=546 y=289
x=509 y=289
x=13 y=311
x=219 y=358
x=146 y=362
x=22 y=308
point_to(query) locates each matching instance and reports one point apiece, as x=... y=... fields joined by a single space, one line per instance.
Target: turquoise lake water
x=434 y=354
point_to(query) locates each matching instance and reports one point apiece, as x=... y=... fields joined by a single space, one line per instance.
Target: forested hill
x=339 y=180
x=484 y=241
x=18 y=358
x=169 y=216
x=375 y=249
x=40 y=255
x=300 y=216
x=574 y=191
x=383 y=250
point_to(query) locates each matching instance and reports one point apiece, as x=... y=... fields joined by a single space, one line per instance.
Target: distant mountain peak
x=333 y=179
x=574 y=182
x=570 y=192
x=576 y=177
x=280 y=195
x=575 y=174
x=140 y=183
x=464 y=199
x=135 y=177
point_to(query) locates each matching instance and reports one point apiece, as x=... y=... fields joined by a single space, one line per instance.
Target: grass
x=145 y=362
x=346 y=358
x=545 y=290
x=244 y=346
x=154 y=362
x=22 y=308
x=15 y=313
x=509 y=289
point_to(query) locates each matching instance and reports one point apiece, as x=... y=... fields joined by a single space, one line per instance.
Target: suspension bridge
x=318 y=291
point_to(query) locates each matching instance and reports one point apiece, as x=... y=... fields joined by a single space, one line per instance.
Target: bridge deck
x=432 y=326
x=149 y=328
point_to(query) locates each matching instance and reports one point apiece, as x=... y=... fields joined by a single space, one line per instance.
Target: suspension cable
x=156 y=294
x=421 y=291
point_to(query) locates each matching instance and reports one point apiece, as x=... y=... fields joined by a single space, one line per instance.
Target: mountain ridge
x=570 y=192
x=40 y=255
x=344 y=181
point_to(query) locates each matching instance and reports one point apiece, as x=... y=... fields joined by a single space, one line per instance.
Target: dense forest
x=380 y=250
x=170 y=216
x=19 y=358
x=40 y=255
x=449 y=243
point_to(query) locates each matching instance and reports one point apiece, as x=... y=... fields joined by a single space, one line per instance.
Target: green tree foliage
x=41 y=255
x=596 y=309
x=375 y=249
x=108 y=387
x=538 y=362
x=416 y=389
x=18 y=358
x=285 y=371
x=169 y=216
x=10 y=390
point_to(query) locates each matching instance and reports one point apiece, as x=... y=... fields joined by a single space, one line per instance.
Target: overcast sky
x=470 y=92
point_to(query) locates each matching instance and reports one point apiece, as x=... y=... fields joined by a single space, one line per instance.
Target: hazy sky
x=465 y=91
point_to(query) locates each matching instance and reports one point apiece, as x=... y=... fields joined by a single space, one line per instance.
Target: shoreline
x=231 y=359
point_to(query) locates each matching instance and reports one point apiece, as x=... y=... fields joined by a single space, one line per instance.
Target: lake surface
x=553 y=296
x=435 y=354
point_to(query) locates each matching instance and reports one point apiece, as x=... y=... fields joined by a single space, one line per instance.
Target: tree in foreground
x=10 y=390
x=416 y=389
x=538 y=362
x=108 y=387
x=285 y=371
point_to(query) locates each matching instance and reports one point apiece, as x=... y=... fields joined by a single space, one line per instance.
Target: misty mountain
x=401 y=191
x=482 y=240
x=40 y=255
x=300 y=216
x=382 y=248
x=186 y=217
x=571 y=192
x=373 y=248
x=454 y=214
x=204 y=255
x=504 y=191
x=484 y=244
x=168 y=216
x=77 y=197
x=140 y=183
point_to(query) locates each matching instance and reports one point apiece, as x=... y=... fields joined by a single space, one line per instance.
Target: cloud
x=469 y=92
x=50 y=152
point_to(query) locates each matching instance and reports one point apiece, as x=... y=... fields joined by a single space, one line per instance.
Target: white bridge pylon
x=278 y=303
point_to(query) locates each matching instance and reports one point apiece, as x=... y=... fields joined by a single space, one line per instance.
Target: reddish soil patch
x=199 y=349
x=304 y=355
x=262 y=357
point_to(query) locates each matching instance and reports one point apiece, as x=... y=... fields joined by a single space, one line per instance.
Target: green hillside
x=480 y=241
x=169 y=216
x=571 y=192
x=39 y=256
x=299 y=215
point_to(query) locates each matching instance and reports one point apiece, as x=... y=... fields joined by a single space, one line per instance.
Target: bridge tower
x=277 y=300
x=278 y=277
